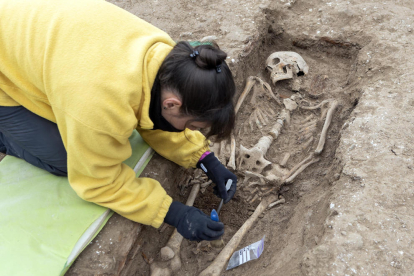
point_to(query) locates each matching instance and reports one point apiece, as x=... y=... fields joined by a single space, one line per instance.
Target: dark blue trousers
x=30 y=137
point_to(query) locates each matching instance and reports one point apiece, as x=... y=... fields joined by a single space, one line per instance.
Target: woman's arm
x=97 y=174
x=183 y=148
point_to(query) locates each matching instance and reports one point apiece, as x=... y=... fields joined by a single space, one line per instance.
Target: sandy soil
x=351 y=213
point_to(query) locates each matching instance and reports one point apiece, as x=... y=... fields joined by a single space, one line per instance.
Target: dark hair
x=206 y=90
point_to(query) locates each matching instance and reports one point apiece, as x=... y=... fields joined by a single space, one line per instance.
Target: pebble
x=343 y=233
x=210 y=258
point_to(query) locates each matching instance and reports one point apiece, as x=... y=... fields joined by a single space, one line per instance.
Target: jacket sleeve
x=183 y=148
x=97 y=174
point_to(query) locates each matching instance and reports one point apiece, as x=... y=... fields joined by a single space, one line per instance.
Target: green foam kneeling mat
x=44 y=225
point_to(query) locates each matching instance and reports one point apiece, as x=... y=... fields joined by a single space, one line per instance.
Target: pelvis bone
x=282 y=65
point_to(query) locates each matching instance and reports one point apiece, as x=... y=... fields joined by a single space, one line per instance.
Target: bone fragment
x=232 y=159
x=284 y=116
x=307 y=119
x=285 y=159
x=205 y=184
x=273 y=178
x=253 y=174
x=290 y=104
x=297 y=166
x=222 y=155
x=158 y=271
x=259 y=125
x=307 y=143
x=251 y=123
x=217 y=243
x=260 y=116
x=253 y=97
x=251 y=184
x=277 y=170
x=316 y=106
x=270 y=191
x=270 y=110
x=167 y=253
x=308 y=135
x=218 y=265
x=280 y=201
x=309 y=124
x=266 y=86
x=171 y=252
x=256 y=197
x=264 y=116
x=301 y=169
x=328 y=120
x=255 y=190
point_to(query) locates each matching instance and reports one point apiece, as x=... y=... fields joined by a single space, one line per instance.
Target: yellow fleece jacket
x=89 y=66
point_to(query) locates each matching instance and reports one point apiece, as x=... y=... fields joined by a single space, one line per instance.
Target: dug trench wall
x=355 y=214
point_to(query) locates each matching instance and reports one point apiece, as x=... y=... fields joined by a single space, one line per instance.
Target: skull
x=282 y=65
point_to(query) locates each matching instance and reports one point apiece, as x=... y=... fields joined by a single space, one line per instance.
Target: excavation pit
x=331 y=73
x=331 y=76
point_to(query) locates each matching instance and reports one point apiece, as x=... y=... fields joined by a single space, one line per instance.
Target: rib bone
x=232 y=160
x=249 y=84
x=253 y=159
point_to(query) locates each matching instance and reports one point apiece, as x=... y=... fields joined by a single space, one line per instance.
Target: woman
x=77 y=77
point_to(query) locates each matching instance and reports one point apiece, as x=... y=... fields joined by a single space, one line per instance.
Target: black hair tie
x=194 y=54
x=218 y=68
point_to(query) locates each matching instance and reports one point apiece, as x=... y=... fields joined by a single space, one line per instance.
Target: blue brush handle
x=214 y=216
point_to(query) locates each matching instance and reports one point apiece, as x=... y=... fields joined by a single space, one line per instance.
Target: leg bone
x=301 y=169
x=171 y=252
x=328 y=120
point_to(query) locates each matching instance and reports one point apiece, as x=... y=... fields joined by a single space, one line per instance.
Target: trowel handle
x=214 y=216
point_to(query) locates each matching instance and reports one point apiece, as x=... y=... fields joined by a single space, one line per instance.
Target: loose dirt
x=348 y=214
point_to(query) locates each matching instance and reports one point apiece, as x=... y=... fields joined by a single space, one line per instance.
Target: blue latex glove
x=192 y=223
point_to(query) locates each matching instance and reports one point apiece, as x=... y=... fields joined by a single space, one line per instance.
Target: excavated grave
x=331 y=66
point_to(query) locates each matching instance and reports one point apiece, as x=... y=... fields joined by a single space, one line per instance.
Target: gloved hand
x=193 y=224
x=219 y=175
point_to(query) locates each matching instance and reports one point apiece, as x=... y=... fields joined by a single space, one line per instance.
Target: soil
x=352 y=212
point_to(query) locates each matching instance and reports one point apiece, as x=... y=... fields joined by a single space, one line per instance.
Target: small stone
x=210 y=258
x=343 y=233
x=217 y=243
x=296 y=85
x=209 y=38
x=337 y=176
